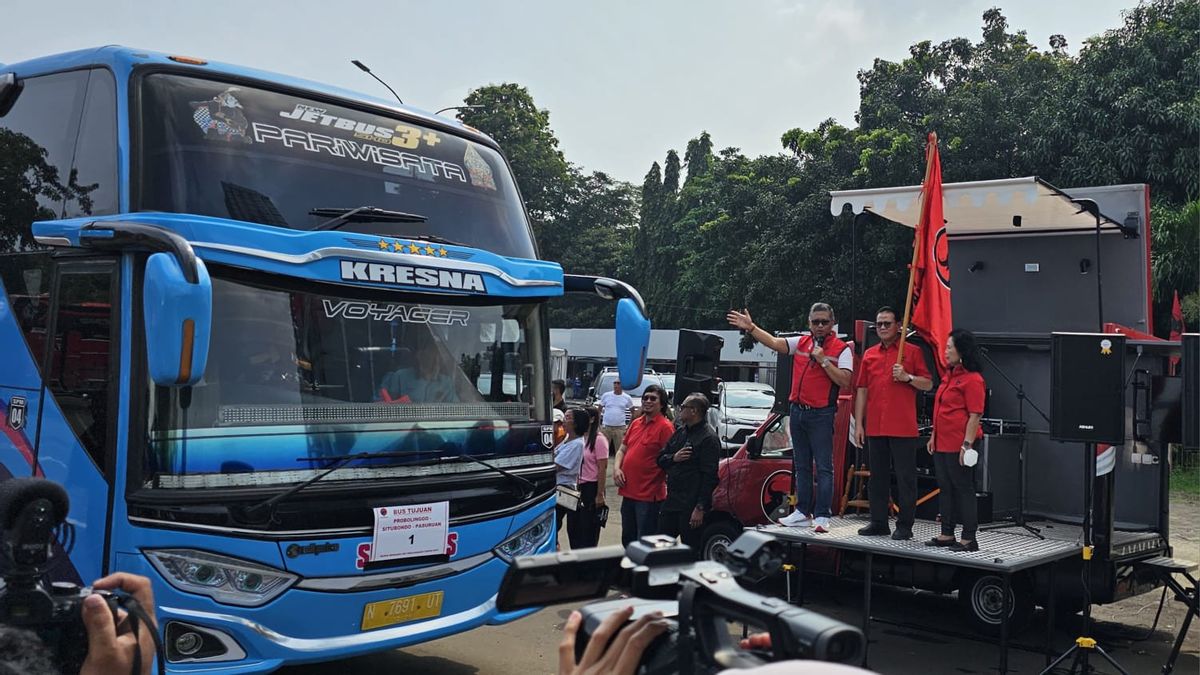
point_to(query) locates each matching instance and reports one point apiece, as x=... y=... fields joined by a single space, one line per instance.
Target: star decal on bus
x=412 y=248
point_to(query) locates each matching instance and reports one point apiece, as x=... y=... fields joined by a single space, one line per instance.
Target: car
x=604 y=382
x=741 y=408
x=669 y=382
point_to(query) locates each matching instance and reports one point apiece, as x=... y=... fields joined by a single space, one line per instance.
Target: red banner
x=1177 y=328
x=931 y=315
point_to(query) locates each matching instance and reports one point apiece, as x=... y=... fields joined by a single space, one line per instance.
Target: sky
x=624 y=80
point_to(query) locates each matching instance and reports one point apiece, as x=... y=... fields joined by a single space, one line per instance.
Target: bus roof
x=123 y=59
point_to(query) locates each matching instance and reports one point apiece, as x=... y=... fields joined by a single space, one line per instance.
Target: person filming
x=957 y=409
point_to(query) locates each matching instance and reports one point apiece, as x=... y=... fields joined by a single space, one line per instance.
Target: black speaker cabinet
x=1190 y=363
x=1087 y=387
x=696 y=364
x=783 y=379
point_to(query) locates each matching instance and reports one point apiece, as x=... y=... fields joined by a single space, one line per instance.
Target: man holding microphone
x=885 y=414
x=822 y=365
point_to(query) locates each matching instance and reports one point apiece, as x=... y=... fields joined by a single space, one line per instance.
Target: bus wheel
x=981 y=599
x=716 y=540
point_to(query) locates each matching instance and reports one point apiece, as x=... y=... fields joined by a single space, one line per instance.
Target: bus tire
x=717 y=537
x=980 y=598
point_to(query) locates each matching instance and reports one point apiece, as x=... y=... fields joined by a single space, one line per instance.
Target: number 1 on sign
x=412 y=538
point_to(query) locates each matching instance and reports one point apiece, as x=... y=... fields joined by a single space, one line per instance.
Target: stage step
x=1169 y=565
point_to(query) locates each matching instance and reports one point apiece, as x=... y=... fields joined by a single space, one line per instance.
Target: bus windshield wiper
x=339 y=461
x=362 y=214
x=467 y=458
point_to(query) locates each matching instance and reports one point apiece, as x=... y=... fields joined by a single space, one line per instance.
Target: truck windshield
x=295 y=376
x=216 y=149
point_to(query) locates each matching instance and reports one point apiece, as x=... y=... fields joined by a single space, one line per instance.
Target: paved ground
x=901 y=643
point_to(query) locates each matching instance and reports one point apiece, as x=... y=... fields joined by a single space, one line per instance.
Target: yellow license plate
x=411 y=608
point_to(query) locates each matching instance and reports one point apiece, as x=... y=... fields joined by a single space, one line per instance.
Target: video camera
x=699 y=598
x=32 y=511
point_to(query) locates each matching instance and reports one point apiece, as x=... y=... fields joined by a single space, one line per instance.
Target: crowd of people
x=666 y=472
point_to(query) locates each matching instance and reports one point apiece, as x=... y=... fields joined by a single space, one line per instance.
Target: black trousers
x=675 y=524
x=583 y=529
x=957 y=497
x=884 y=453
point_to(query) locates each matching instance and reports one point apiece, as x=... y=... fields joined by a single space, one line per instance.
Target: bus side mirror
x=633 y=341
x=178 y=320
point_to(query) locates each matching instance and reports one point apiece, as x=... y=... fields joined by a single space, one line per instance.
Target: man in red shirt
x=885 y=414
x=640 y=482
x=822 y=365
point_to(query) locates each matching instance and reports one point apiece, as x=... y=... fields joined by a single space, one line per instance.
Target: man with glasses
x=640 y=482
x=690 y=460
x=822 y=365
x=885 y=415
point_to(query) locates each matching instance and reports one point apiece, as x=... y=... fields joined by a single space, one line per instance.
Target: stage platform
x=1005 y=550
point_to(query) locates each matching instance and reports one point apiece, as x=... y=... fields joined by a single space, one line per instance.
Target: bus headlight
x=224 y=579
x=528 y=539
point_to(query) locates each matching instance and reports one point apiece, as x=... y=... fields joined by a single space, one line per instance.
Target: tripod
x=1019 y=521
x=1085 y=645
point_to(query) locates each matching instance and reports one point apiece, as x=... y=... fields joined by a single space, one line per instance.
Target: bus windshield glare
x=297 y=377
x=213 y=148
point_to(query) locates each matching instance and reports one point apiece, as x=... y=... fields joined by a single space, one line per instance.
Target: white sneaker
x=796 y=519
x=821 y=524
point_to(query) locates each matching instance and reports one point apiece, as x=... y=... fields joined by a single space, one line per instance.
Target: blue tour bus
x=286 y=347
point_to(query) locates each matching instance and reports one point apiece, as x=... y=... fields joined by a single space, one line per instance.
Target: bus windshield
x=295 y=377
x=216 y=149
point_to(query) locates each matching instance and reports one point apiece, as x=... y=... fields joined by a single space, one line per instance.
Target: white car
x=741 y=407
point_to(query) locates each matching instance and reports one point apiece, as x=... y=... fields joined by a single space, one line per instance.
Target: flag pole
x=912 y=268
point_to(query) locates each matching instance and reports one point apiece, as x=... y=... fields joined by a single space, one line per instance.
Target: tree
x=27 y=184
x=508 y=114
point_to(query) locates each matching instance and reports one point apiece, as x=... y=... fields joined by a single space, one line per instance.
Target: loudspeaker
x=696 y=363
x=1087 y=387
x=1190 y=362
x=783 y=379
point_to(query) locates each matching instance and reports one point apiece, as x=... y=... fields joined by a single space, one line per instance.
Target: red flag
x=1177 y=328
x=930 y=280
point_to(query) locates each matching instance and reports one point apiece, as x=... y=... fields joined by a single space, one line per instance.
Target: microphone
x=17 y=493
x=30 y=510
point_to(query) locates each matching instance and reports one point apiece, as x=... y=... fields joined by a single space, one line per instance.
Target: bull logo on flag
x=222 y=117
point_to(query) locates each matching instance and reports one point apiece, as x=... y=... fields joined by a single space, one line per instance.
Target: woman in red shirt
x=956 y=413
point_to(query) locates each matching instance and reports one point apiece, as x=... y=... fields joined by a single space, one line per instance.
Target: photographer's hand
x=622 y=656
x=111 y=646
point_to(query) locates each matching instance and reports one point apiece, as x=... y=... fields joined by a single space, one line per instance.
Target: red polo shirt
x=644 y=481
x=961 y=394
x=891 y=405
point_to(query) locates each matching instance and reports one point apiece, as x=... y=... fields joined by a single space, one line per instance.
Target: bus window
x=94 y=173
x=79 y=370
x=37 y=137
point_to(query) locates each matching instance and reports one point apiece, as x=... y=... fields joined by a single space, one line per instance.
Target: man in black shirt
x=690 y=460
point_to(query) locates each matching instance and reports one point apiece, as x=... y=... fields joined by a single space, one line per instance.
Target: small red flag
x=931 y=315
x=1177 y=328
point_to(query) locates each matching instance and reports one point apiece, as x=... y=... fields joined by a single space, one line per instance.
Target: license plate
x=400 y=610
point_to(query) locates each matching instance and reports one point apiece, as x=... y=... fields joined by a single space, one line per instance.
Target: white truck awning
x=985 y=207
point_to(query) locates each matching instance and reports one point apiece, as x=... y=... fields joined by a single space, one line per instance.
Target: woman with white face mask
x=957 y=410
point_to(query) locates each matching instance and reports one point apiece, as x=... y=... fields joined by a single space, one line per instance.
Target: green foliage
x=1175 y=241
x=27 y=184
x=507 y=113
x=757 y=232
